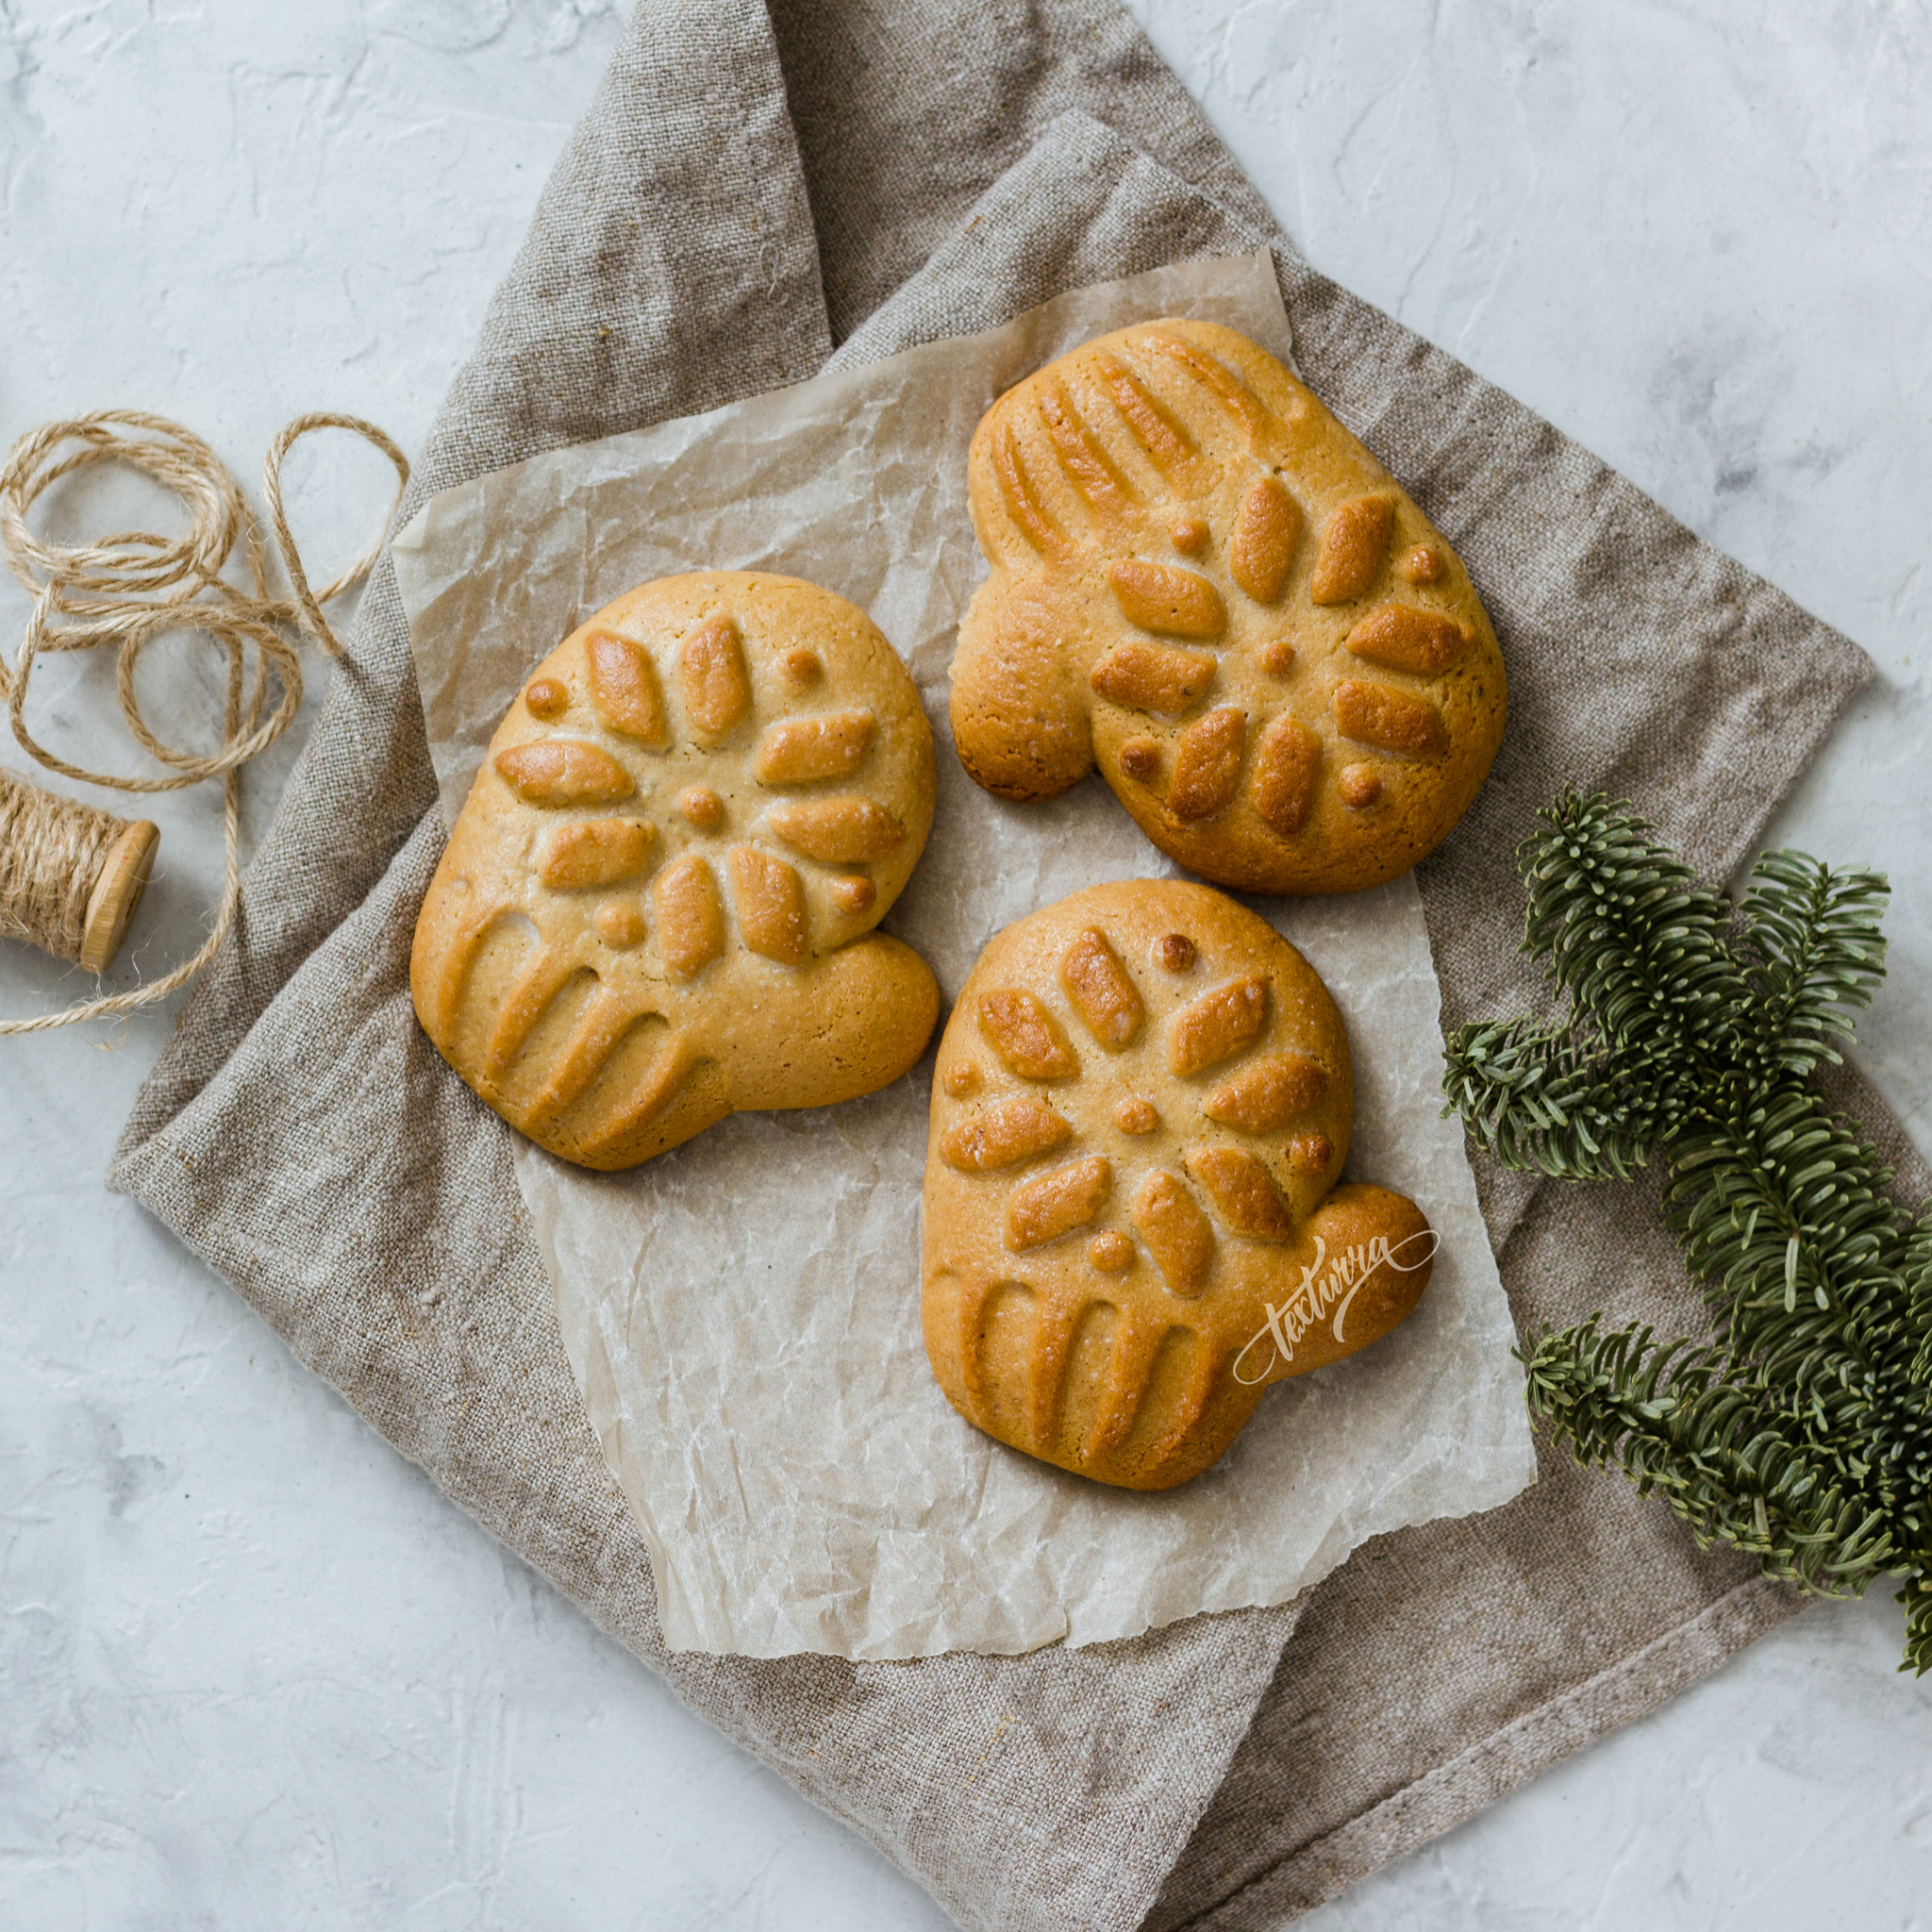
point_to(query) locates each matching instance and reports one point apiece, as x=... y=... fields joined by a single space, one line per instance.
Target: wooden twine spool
x=70 y=874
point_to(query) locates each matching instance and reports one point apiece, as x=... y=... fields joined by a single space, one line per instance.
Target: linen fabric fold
x=746 y=190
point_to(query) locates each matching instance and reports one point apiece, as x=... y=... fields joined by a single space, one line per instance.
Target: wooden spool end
x=116 y=893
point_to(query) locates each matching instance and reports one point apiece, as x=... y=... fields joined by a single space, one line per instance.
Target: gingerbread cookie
x=1141 y=1103
x=1204 y=584
x=657 y=907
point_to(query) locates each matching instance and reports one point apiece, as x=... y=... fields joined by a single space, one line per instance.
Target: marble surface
x=253 y=1669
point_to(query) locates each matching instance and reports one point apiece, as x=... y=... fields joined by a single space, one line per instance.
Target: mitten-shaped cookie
x=1204 y=584
x=657 y=907
x=1132 y=1228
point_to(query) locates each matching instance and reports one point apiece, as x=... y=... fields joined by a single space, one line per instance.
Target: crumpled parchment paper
x=742 y=1313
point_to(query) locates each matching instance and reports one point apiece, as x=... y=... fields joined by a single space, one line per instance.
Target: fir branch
x=1917 y=1598
x=1816 y=936
x=1918 y=1280
x=1626 y=932
x=1802 y=1432
x=1535 y=1100
x=1668 y=1415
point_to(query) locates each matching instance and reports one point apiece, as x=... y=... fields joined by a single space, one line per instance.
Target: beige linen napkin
x=747 y=190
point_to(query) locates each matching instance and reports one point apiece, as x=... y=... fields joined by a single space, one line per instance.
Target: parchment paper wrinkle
x=746 y=190
x=766 y=1273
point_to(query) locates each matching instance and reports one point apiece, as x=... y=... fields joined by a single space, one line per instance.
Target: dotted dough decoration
x=657 y=905
x=1141 y=1103
x=1205 y=585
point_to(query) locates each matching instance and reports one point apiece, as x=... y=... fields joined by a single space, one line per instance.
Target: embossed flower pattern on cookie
x=1142 y=1102
x=657 y=905
x=1204 y=585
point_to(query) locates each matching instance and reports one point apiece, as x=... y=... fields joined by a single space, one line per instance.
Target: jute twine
x=123 y=592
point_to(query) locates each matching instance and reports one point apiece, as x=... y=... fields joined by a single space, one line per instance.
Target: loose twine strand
x=125 y=590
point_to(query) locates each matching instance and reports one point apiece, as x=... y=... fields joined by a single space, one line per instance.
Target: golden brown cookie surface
x=1142 y=1102
x=1202 y=582
x=655 y=908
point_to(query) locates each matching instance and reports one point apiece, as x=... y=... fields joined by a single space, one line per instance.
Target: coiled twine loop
x=70 y=874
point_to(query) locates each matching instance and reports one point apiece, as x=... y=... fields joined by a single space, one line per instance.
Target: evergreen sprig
x=1693 y=1030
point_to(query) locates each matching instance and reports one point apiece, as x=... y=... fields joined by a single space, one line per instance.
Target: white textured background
x=253 y=1670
